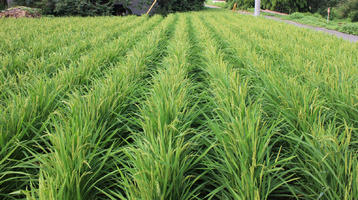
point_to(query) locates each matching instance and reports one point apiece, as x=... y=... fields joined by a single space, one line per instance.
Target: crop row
x=200 y=105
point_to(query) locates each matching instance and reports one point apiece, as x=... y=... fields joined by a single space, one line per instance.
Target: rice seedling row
x=304 y=73
x=88 y=65
x=313 y=112
x=45 y=95
x=98 y=111
x=88 y=68
x=61 y=31
x=167 y=137
x=197 y=105
x=30 y=66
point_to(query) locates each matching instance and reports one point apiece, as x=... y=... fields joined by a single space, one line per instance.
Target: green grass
x=198 y=105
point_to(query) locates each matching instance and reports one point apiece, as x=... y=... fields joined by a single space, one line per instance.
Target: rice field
x=198 y=105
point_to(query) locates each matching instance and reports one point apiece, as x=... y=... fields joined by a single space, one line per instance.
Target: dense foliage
x=340 y=9
x=71 y=7
x=289 y=6
x=3 y=4
x=348 y=9
x=199 y=105
x=168 y=6
x=285 y=5
x=106 y=7
x=351 y=28
x=321 y=6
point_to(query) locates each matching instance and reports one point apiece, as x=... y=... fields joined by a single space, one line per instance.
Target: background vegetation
x=104 y=7
x=169 y=6
x=340 y=9
x=3 y=4
x=348 y=9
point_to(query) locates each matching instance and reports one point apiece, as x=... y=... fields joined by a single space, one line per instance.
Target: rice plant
x=197 y=105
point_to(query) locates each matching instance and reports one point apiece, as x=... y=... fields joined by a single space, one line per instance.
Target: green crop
x=198 y=105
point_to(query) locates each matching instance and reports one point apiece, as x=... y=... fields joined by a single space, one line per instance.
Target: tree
x=290 y=6
x=287 y=6
x=3 y=4
x=105 y=7
x=168 y=6
x=348 y=9
x=70 y=7
x=321 y=5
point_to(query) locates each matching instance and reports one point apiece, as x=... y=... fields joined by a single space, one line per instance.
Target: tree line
x=103 y=7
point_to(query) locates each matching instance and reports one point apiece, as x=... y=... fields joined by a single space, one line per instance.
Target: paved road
x=351 y=38
x=210 y=6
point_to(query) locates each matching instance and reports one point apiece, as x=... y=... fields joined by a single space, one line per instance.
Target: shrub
x=3 y=4
x=83 y=7
x=296 y=15
x=348 y=9
x=353 y=15
x=168 y=6
x=104 y=7
x=70 y=7
x=320 y=6
x=287 y=6
x=351 y=28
